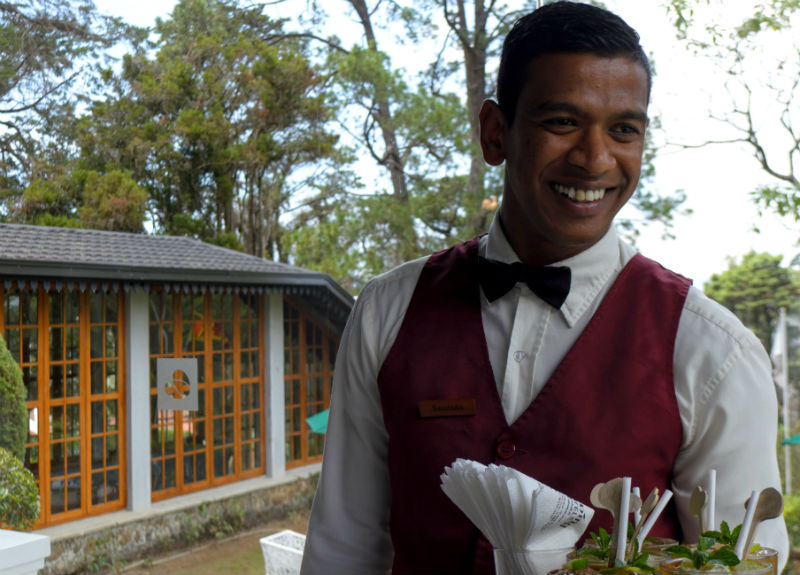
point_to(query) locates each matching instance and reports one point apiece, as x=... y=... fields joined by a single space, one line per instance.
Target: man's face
x=573 y=153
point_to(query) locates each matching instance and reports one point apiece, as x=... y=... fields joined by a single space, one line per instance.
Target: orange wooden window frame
x=309 y=355
x=231 y=395
x=75 y=436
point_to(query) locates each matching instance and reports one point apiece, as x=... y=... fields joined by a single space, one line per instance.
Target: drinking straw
x=637 y=513
x=712 y=499
x=622 y=519
x=748 y=520
x=651 y=519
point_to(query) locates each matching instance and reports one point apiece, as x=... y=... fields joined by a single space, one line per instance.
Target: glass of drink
x=529 y=561
x=768 y=555
x=681 y=566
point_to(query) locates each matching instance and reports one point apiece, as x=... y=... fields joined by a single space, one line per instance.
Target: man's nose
x=592 y=152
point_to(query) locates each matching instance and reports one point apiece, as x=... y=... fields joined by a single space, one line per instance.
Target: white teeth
x=580 y=195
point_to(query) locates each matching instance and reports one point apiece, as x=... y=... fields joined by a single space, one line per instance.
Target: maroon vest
x=609 y=409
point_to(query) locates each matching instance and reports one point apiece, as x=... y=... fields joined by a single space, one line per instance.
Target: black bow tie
x=549 y=283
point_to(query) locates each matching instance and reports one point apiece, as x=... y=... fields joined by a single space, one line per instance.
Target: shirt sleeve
x=348 y=530
x=729 y=413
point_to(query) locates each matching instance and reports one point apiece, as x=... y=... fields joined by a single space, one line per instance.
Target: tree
x=214 y=121
x=83 y=199
x=422 y=130
x=754 y=289
x=45 y=46
x=13 y=412
x=762 y=84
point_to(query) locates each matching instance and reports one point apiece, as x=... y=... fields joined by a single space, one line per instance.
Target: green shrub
x=19 y=496
x=791 y=512
x=13 y=412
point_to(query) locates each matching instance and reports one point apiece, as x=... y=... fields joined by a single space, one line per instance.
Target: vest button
x=505 y=449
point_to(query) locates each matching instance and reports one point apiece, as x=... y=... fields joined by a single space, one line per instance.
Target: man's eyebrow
x=569 y=108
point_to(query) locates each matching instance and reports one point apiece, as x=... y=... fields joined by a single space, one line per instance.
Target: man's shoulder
x=710 y=318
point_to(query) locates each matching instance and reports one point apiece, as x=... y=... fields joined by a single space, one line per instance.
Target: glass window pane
x=73 y=420
x=111 y=377
x=72 y=307
x=57 y=496
x=73 y=457
x=111 y=415
x=31 y=380
x=169 y=471
x=29 y=308
x=56 y=344
x=56 y=304
x=30 y=345
x=98 y=488
x=57 y=458
x=111 y=341
x=112 y=485
x=200 y=466
x=56 y=381
x=97 y=452
x=12 y=308
x=12 y=342
x=96 y=308
x=96 y=370
x=112 y=453
x=73 y=342
x=73 y=380
x=96 y=340
x=111 y=308
x=97 y=417
x=188 y=468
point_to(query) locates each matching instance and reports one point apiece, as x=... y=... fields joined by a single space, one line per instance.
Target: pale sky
x=717 y=179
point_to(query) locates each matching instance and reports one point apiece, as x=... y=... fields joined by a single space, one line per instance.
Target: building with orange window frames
x=87 y=315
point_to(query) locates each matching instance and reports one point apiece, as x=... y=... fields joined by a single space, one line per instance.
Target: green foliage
x=763 y=84
x=19 y=495
x=791 y=513
x=13 y=412
x=754 y=289
x=602 y=545
x=725 y=535
x=702 y=555
x=103 y=553
x=84 y=199
x=45 y=46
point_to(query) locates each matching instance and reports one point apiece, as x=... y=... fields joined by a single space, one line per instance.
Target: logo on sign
x=177 y=383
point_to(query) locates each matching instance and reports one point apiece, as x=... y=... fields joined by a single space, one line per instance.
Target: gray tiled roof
x=125 y=250
x=66 y=253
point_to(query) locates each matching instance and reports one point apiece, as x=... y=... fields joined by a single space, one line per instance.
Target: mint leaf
x=704 y=543
x=593 y=551
x=725 y=556
x=700 y=558
x=680 y=551
x=578 y=564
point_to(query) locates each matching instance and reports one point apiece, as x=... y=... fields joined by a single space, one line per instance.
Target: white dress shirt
x=723 y=384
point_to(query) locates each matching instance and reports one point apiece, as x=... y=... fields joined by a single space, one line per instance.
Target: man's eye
x=627 y=130
x=560 y=122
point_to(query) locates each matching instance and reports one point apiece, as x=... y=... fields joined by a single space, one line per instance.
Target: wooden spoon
x=647 y=506
x=697 y=503
x=769 y=506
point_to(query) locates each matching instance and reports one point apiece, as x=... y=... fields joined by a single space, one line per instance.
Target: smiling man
x=549 y=344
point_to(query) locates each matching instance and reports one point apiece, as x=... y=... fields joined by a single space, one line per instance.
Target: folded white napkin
x=513 y=510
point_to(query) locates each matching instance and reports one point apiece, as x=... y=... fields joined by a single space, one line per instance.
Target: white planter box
x=283 y=552
x=22 y=553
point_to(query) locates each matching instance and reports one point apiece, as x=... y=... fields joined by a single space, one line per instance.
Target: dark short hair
x=560 y=27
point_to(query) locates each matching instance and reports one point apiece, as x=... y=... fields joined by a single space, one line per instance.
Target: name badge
x=447 y=407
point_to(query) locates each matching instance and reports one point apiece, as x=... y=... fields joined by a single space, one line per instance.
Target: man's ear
x=493 y=132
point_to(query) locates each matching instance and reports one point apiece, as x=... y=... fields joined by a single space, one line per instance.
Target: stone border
x=112 y=547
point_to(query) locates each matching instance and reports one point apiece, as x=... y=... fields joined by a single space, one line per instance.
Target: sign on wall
x=177 y=383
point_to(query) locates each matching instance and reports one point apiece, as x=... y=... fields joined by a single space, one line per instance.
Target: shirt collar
x=591 y=268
